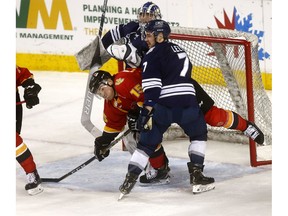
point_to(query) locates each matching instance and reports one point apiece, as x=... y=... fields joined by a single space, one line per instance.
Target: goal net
x=225 y=63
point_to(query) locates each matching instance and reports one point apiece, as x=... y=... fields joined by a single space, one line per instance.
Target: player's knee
x=216 y=117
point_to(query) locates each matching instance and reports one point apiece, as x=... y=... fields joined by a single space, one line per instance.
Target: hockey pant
x=190 y=119
x=19 y=114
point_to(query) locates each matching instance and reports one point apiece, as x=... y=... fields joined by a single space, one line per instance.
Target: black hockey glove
x=31 y=90
x=145 y=119
x=100 y=150
x=132 y=117
x=101 y=143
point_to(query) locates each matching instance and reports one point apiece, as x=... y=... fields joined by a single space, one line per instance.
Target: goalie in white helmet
x=126 y=41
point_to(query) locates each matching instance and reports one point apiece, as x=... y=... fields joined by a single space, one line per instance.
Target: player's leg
x=149 y=140
x=196 y=129
x=157 y=170
x=26 y=161
x=228 y=119
x=218 y=117
x=19 y=114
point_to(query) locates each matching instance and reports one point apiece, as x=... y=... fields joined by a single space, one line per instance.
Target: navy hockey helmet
x=158 y=26
x=99 y=77
x=150 y=8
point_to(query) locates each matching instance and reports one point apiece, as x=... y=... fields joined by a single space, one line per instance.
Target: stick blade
x=50 y=180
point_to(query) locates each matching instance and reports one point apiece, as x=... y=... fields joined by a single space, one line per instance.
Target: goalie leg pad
x=130 y=141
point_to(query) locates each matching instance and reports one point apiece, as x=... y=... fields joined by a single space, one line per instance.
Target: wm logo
x=30 y=9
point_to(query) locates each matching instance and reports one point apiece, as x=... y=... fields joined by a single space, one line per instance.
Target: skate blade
x=35 y=191
x=121 y=196
x=156 y=182
x=196 y=189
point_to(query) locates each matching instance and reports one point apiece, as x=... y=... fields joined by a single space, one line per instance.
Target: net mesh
x=220 y=67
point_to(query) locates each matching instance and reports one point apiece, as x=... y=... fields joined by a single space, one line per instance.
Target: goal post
x=225 y=63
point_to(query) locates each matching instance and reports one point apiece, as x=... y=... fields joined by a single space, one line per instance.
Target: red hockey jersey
x=127 y=84
x=22 y=74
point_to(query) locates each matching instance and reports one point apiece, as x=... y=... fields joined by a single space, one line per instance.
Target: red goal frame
x=249 y=82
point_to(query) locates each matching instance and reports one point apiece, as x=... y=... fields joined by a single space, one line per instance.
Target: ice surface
x=59 y=143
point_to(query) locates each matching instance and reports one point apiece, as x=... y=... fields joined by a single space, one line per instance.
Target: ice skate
x=254 y=133
x=128 y=184
x=34 y=183
x=198 y=181
x=155 y=176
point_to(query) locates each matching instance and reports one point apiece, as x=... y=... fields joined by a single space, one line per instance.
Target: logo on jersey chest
x=119 y=81
x=117 y=103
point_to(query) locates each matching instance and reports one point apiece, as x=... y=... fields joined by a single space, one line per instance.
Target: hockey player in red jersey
x=24 y=157
x=123 y=96
x=120 y=94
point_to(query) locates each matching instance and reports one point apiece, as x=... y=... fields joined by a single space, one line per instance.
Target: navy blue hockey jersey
x=166 y=76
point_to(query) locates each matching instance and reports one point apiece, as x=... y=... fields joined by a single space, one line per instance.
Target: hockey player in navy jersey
x=126 y=42
x=169 y=97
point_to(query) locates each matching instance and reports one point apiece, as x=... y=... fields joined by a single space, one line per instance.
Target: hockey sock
x=158 y=159
x=218 y=117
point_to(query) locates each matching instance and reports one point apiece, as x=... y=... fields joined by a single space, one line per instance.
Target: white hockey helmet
x=150 y=8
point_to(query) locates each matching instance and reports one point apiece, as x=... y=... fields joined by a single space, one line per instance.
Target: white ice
x=59 y=143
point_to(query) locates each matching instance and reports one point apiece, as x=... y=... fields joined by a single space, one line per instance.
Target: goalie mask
x=147 y=12
x=150 y=8
x=98 y=79
x=158 y=26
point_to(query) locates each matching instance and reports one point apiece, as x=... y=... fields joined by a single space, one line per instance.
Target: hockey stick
x=94 y=59
x=20 y=102
x=88 y=100
x=114 y=142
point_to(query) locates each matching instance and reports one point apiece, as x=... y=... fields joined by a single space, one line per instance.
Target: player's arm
x=22 y=74
x=115 y=121
x=101 y=143
x=31 y=89
x=118 y=32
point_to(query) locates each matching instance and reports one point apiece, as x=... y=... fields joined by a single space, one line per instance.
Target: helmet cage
x=150 y=8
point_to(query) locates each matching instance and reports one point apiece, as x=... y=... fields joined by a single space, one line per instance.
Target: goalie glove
x=101 y=143
x=145 y=119
x=125 y=52
x=31 y=90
